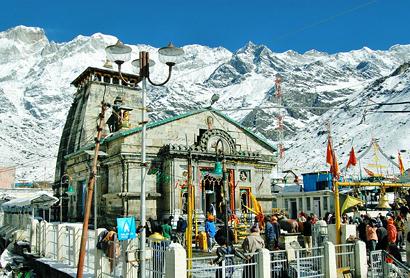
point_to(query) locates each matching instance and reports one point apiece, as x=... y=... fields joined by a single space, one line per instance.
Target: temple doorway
x=212 y=195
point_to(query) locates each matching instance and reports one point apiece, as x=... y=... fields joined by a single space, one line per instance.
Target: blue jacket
x=269 y=234
x=210 y=228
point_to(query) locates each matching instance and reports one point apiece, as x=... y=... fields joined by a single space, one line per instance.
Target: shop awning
x=39 y=200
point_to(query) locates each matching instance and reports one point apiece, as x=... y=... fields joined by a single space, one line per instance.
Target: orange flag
x=352 y=159
x=332 y=160
x=368 y=172
x=401 y=166
x=329 y=153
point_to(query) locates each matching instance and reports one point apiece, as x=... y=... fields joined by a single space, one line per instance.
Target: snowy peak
x=35 y=77
x=26 y=35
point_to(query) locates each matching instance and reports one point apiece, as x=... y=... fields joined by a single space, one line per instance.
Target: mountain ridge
x=35 y=91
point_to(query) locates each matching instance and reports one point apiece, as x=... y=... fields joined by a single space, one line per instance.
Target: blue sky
x=301 y=25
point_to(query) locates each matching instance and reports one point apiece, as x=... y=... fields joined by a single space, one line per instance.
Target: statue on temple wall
x=114 y=121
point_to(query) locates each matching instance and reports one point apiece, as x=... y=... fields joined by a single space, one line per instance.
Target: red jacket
x=391 y=231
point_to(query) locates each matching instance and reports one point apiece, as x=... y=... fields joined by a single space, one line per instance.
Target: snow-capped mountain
x=35 y=93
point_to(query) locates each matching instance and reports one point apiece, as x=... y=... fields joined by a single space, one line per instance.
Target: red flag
x=401 y=166
x=368 y=172
x=352 y=159
x=332 y=160
x=329 y=153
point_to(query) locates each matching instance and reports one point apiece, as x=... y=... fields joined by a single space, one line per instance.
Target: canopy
x=39 y=200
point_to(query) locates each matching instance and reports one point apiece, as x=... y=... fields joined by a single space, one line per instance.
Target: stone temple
x=209 y=136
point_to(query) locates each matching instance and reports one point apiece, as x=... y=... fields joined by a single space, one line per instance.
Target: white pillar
x=76 y=244
x=33 y=235
x=175 y=262
x=48 y=245
x=263 y=263
x=360 y=258
x=60 y=241
x=330 y=260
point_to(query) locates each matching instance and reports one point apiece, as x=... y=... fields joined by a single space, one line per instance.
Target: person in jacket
x=210 y=231
x=181 y=228
x=269 y=234
x=307 y=234
x=371 y=234
x=166 y=229
x=382 y=242
x=276 y=231
x=252 y=243
x=225 y=253
x=391 y=231
x=399 y=223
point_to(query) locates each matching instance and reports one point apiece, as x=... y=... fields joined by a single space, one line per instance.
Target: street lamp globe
x=118 y=53
x=170 y=54
x=137 y=62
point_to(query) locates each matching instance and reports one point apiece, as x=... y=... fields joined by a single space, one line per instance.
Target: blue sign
x=126 y=228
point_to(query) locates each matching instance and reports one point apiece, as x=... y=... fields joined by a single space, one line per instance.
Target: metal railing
x=279 y=263
x=230 y=267
x=345 y=257
x=376 y=264
x=68 y=246
x=51 y=242
x=307 y=263
x=394 y=268
x=384 y=265
x=155 y=266
x=319 y=235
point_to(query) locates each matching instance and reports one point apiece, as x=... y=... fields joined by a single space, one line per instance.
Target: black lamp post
x=169 y=55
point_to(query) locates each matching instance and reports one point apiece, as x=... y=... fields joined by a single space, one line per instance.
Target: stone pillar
x=175 y=262
x=360 y=258
x=330 y=260
x=263 y=264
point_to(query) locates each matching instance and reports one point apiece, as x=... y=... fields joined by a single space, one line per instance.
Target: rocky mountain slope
x=35 y=93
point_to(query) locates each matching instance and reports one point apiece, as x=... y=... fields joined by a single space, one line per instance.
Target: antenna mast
x=279 y=119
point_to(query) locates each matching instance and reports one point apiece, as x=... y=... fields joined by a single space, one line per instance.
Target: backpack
x=101 y=243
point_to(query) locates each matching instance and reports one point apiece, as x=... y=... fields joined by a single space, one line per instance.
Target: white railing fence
x=230 y=266
x=308 y=263
x=279 y=263
x=345 y=257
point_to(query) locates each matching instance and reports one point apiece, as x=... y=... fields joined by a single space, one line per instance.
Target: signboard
x=126 y=228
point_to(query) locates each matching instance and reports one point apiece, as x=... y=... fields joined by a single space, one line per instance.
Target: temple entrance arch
x=212 y=194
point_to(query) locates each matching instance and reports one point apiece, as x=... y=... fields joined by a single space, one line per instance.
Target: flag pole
x=337 y=210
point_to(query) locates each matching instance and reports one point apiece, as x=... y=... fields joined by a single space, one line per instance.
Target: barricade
x=279 y=263
x=345 y=257
x=376 y=264
x=236 y=267
x=307 y=263
x=393 y=267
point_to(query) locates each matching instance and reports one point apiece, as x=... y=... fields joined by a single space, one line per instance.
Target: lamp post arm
x=122 y=77
x=170 y=65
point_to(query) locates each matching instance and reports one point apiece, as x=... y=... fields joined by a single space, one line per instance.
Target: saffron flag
x=352 y=159
x=329 y=153
x=257 y=208
x=401 y=166
x=368 y=172
x=351 y=202
x=331 y=159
